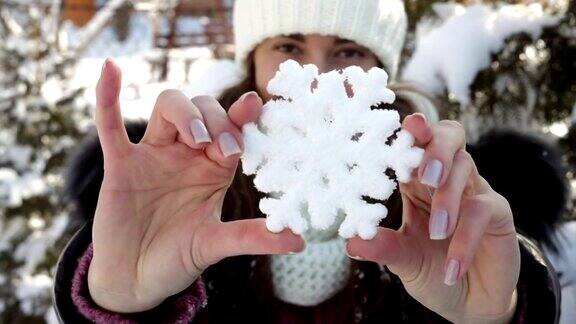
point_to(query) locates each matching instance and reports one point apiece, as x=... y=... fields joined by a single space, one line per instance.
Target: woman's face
x=326 y=52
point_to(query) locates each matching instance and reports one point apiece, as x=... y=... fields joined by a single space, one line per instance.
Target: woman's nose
x=320 y=61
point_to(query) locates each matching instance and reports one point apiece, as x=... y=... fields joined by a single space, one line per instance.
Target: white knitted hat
x=379 y=25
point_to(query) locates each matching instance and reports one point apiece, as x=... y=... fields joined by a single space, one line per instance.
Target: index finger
x=109 y=123
x=246 y=109
x=419 y=127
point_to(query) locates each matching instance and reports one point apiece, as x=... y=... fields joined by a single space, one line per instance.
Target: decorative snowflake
x=319 y=150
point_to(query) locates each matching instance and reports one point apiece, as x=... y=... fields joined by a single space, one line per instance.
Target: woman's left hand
x=456 y=252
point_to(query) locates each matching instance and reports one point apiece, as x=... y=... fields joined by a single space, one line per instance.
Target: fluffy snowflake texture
x=319 y=149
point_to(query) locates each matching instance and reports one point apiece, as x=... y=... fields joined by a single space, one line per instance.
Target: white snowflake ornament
x=319 y=149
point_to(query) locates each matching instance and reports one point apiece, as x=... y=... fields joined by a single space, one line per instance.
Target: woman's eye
x=350 y=53
x=288 y=48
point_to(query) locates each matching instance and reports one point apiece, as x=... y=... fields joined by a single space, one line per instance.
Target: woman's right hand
x=157 y=224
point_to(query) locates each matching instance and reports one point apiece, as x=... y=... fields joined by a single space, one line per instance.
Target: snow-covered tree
x=41 y=117
x=498 y=64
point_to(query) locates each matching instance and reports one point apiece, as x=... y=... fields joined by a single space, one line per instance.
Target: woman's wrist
x=117 y=302
x=504 y=317
x=179 y=308
x=508 y=316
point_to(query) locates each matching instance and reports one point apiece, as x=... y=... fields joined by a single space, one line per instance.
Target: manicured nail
x=355 y=257
x=104 y=67
x=421 y=116
x=297 y=252
x=199 y=131
x=451 y=272
x=247 y=94
x=303 y=248
x=229 y=145
x=106 y=89
x=432 y=173
x=439 y=224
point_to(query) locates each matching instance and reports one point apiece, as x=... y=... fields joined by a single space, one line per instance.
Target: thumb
x=245 y=237
x=246 y=109
x=390 y=248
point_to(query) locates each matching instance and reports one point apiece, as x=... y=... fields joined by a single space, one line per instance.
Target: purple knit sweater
x=179 y=308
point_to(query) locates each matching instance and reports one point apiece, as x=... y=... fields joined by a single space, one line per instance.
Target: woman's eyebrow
x=296 y=37
x=340 y=41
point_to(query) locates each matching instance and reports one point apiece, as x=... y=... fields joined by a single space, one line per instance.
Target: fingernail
x=199 y=131
x=451 y=272
x=229 y=145
x=104 y=67
x=302 y=250
x=296 y=252
x=355 y=257
x=107 y=87
x=432 y=173
x=422 y=117
x=247 y=94
x=439 y=224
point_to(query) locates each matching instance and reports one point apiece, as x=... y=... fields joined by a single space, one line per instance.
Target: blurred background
x=493 y=65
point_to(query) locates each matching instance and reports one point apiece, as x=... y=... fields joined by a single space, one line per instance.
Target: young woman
x=177 y=235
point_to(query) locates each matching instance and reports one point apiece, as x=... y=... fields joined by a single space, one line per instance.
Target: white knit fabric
x=313 y=276
x=317 y=273
x=379 y=25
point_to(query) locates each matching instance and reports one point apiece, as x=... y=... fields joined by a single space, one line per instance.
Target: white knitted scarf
x=315 y=274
